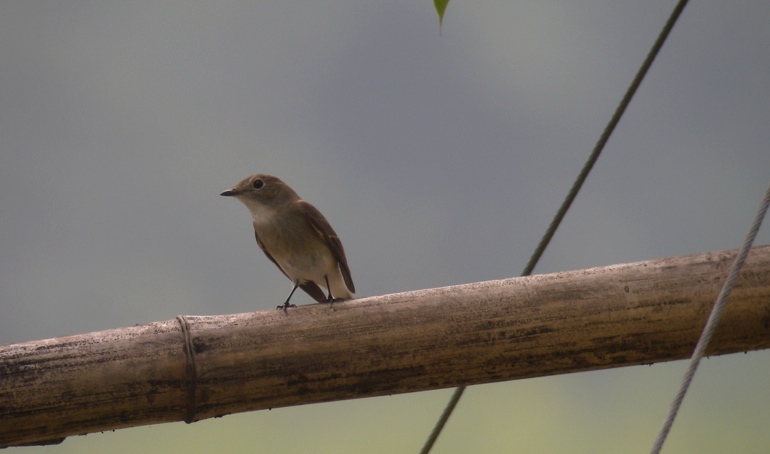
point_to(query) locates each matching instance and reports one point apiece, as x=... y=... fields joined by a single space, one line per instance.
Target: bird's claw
x=285 y=306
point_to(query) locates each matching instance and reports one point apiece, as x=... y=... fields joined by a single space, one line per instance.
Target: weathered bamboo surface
x=197 y=367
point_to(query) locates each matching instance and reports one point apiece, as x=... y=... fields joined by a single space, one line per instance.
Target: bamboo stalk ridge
x=197 y=367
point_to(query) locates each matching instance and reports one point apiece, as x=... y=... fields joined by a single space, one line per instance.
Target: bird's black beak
x=229 y=193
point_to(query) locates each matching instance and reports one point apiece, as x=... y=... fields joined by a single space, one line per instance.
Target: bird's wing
x=312 y=289
x=262 y=246
x=329 y=236
x=309 y=287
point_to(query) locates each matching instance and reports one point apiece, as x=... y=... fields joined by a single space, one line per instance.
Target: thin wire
x=442 y=421
x=711 y=324
x=604 y=138
x=572 y=194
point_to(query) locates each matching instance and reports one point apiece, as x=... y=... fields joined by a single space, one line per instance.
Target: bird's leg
x=286 y=305
x=330 y=298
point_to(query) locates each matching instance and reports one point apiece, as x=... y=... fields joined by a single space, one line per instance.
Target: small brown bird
x=295 y=236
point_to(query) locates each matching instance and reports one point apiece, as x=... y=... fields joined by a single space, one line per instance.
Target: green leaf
x=440 y=7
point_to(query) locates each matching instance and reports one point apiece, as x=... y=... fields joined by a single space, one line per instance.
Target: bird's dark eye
x=258 y=184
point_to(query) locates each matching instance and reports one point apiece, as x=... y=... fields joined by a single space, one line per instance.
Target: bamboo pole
x=197 y=367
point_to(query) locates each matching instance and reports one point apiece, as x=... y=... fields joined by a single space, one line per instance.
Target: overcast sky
x=439 y=160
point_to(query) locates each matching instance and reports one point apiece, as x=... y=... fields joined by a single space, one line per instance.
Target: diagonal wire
x=572 y=194
x=708 y=330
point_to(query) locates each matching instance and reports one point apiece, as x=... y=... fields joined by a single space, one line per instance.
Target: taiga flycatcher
x=295 y=236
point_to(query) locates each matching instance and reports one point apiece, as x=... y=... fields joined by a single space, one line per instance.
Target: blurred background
x=439 y=159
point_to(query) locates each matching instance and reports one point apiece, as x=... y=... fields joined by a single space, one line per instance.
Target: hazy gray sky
x=439 y=160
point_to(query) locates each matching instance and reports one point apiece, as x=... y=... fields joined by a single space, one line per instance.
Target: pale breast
x=297 y=249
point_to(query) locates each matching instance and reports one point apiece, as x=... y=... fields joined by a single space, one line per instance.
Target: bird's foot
x=285 y=306
x=333 y=300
